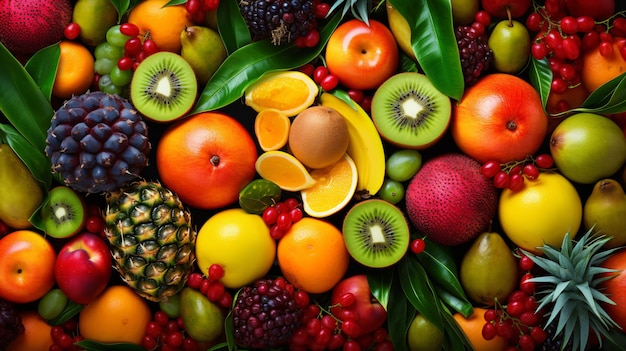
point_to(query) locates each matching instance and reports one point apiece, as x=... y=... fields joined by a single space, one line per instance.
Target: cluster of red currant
x=197 y=9
x=136 y=49
x=94 y=223
x=167 y=334
x=65 y=335
x=518 y=321
x=281 y=216
x=321 y=330
x=511 y=175
x=211 y=286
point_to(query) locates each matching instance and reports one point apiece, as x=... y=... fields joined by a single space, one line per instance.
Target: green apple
x=203 y=49
x=587 y=147
x=510 y=43
x=464 y=11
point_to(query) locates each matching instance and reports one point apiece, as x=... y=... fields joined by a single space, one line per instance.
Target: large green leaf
x=400 y=314
x=380 y=281
x=231 y=26
x=42 y=66
x=434 y=43
x=247 y=64
x=418 y=289
x=540 y=76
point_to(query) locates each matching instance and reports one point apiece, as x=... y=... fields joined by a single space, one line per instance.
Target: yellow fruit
x=284 y=169
x=543 y=211
x=334 y=187
x=423 y=335
x=400 y=29
x=271 y=128
x=288 y=91
x=238 y=241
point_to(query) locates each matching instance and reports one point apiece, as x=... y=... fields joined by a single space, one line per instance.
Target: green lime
x=258 y=195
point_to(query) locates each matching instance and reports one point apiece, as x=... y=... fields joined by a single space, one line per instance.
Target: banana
x=366 y=146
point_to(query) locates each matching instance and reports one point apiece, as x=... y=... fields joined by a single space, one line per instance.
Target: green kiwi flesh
x=164 y=87
x=64 y=213
x=409 y=111
x=376 y=233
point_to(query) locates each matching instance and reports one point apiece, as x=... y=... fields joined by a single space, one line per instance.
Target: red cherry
x=526 y=263
x=544 y=161
x=125 y=63
x=489 y=331
x=192 y=6
x=216 y=272
x=347 y=299
x=312 y=38
x=129 y=29
x=321 y=10
x=284 y=221
x=531 y=171
x=296 y=214
x=270 y=215
x=71 y=31
x=418 y=245
x=194 y=280
x=329 y=82
x=526 y=285
x=149 y=47
x=490 y=168
x=501 y=180
x=320 y=73
x=276 y=233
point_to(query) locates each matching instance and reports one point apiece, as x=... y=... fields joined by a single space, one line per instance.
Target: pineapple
x=151 y=239
x=569 y=291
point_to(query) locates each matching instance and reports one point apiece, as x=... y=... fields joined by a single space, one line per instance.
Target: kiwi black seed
x=164 y=87
x=409 y=111
x=376 y=233
x=64 y=213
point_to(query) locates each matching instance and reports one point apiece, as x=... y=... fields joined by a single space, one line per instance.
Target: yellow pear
x=20 y=193
x=605 y=211
x=400 y=29
x=203 y=49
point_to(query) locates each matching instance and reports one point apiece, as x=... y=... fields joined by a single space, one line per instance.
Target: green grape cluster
x=113 y=79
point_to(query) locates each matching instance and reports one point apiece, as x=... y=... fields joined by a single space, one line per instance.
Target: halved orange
x=284 y=169
x=334 y=188
x=271 y=128
x=290 y=92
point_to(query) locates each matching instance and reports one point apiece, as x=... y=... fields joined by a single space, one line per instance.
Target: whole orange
x=36 y=336
x=499 y=118
x=312 y=255
x=615 y=287
x=26 y=266
x=206 y=159
x=116 y=315
x=598 y=69
x=161 y=23
x=362 y=56
x=472 y=327
x=75 y=71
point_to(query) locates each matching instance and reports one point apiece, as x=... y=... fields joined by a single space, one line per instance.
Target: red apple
x=598 y=9
x=498 y=8
x=365 y=310
x=83 y=267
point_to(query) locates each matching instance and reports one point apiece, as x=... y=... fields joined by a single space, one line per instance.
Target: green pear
x=203 y=319
x=423 y=335
x=510 y=42
x=488 y=270
x=587 y=147
x=20 y=194
x=204 y=50
x=94 y=17
x=605 y=211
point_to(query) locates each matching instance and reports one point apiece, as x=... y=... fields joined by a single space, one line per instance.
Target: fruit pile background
x=232 y=175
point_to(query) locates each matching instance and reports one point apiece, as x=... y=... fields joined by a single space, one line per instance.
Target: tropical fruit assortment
x=312 y=175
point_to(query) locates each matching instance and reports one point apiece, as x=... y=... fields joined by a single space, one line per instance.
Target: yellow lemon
x=543 y=211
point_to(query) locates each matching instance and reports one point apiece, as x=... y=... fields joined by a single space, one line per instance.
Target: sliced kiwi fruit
x=64 y=213
x=410 y=112
x=376 y=233
x=164 y=87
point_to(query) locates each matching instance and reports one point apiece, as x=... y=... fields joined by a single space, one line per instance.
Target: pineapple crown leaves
x=573 y=274
x=360 y=9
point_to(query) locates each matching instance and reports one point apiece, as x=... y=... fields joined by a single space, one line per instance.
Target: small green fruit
x=94 y=17
x=171 y=307
x=423 y=335
x=203 y=319
x=203 y=49
x=510 y=43
x=402 y=164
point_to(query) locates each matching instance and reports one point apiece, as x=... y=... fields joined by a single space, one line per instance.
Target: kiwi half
x=410 y=112
x=164 y=87
x=64 y=213
x=376 y=233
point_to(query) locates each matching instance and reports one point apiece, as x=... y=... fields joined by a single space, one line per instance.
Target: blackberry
x=265 y=314
x=476 y=56
x=10 y=323
x=97 y=142
x=282 y=21
x=553 y=342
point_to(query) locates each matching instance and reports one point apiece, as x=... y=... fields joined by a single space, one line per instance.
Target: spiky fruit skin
x=97 y=142
x=28 y=26
x=265 y=314
x=10 y=323
x=449 y=200
x=282 y=21
x=151 y=239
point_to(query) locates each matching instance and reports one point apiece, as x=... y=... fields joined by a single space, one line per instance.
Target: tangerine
x=36 y=336
x=598 y=69
x=271 y=128
x=117 y=315
x=312 y=255
x=75 y=71
x=161 y=23
x=614 y=288
x=290 y=92
x=284 y=169
x=473 y=327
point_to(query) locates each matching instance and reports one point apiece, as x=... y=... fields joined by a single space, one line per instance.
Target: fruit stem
x=508 y=14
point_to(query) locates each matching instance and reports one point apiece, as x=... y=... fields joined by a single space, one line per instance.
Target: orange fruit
x=36 y=336
x=614 y=288
x=284 y=169
x=75 y=71
x=161 y=23
x=198 y=159
x=572 y=97
x=499 y=118
x=290 y=92
x=312 y=255
x=597 y=69
x=333 y=189
x=473 y=326
x=116 y=315
x=26 y=266
x=271 y=128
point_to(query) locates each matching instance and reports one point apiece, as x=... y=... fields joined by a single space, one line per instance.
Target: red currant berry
x=418 y=246
x=531 y=171
x=212 y=5
x=283 y=221
x=320 y=73
x=194 y=280
x=336 y=341
x=270 y=215
x=175 y=339
x=71 y=31
x=490 y=315
x=125 y=63
x=282 y=207
x=569 y=25
x=515 y=308
x=351 y=328
x=504 y=329
x=313 y=326
x=539 y=50
x=516 y=182
x=129 y=29
x=526 y=285
x=296 y=214
x=226 y=300
x=161 y=318
x=149 y=342
x=153 y=329
x=190 y=345
x=192 y=6
x=132 y=47
x=483 y=18
x=329 y=82
x=489 y=331
x=526 y=263
x=276 y=232
x=302 y=298
x=501 y=180
x=216 y=272
x=204 y=286
x=606 y=48
x=585 y=23
x=292 y=202
x=94 y=224
x=533 y=22
x=215 y=292
x=356 y=95
x=322 y=9
x=544 y=161
x=538 y=334
x=149 y=47
x=347 y=299
x=312 y=38
x=352 y=345
x=490 y=168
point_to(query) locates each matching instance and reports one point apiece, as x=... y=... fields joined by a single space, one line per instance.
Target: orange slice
x=284 y=169
x=287 y=91
x=271 y=128
x=334 y=188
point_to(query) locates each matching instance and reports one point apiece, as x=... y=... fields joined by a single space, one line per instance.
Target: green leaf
x=540 y=76
x=90 y=345
x=454 y=337
x=231 y=26
x=380 y=282
x=42 y=66
x=22 y=102
x=175 y=2
x=441 y=267
x=70 y=311
x=434 y=43
x=247 y=64
x=463 y=306
x=35 y=160
x=121 y=6
x=419 y=290
x=400 y=314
